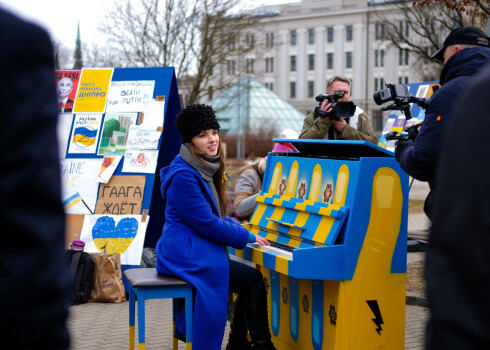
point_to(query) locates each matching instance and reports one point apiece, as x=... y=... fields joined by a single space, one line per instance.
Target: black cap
x=464 y=35
x=195 y=118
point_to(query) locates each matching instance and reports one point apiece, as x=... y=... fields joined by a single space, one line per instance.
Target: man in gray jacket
x=356 y=127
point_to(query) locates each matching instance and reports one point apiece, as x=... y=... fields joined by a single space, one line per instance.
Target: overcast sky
x=60 y=17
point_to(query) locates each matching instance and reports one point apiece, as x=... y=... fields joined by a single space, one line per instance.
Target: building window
x=293 y=37
x=406 y=80
x=376 y=54
x=231 y=67
x=404 y=28
x=377 y=120
x=269 y=65
x=250 y=40
x=210 y=93
x=330 y=34
x=381 y=83
x=376 y=87
x=382 y=58
x=403 y=57
x=348 y=33
x=311 y=62
x=348 y=59
x=311 y=36
x=379 y=31
x=249 y=68
x=330 y=60
x=231 y=42
x=293 y=64
x=269 y=40
x=271 y=86
x=292 y=89
x=400 y=80
x=311 y=89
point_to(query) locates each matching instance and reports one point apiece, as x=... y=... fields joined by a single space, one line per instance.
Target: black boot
x=257 y=319
x=238 y=329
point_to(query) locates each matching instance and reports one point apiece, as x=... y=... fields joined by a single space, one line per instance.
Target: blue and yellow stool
x=145 y=284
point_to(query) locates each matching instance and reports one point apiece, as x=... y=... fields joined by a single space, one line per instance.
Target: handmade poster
x=115 y=132
x=109 y=165
x=66 y=89
x=129 y=96
x=142 y=139
x=85 y=134
x=73 y=228
x=124 y=234
x=153 y=114
x=140 y=161
x=63 y=132
x=121 y=195
x=92 y=90
x=79 y=184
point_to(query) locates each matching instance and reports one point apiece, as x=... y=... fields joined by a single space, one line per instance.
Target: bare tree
x=470 y=7
x=194 y=36
x=421 y=30
x=62 y=55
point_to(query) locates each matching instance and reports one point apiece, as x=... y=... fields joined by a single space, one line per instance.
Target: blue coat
x=192 y=248
x=420 y=160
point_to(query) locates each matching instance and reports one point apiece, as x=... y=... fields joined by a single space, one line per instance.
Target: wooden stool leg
x=141 y=319
x=188 y=317
x=131 y=318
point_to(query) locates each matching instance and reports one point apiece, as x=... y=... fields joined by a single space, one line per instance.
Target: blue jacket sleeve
x=187 y=194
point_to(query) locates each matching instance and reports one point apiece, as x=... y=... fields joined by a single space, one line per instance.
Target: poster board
x=397 y=120
x=80 y=134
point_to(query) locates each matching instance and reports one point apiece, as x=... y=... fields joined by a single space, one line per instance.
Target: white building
x=299 y=46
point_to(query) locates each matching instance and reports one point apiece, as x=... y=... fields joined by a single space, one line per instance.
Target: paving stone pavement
x=105 y=326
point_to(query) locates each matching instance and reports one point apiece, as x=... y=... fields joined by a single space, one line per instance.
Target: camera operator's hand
x=400 y=146
x=326 y=106
x=339 y=123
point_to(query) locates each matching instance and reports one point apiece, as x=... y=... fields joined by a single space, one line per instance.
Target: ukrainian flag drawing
x=84 y=136
x=71 y=201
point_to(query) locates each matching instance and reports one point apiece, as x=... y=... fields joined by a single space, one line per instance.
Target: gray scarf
x=206 y=169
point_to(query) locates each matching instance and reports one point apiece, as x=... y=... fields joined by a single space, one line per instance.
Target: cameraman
x=464 y=52
x=356 y=127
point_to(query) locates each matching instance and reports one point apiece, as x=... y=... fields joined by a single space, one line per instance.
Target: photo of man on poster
x=63 y=89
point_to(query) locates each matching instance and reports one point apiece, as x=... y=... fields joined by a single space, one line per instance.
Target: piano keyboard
x=286 y=253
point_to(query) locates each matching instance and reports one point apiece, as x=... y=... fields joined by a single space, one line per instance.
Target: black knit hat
x=195 y=118
x=463 y=35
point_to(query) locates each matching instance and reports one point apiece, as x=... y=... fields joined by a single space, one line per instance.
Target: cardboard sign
x=123 y=234
x=122 y=195
x=73 y=228
x=129 y=96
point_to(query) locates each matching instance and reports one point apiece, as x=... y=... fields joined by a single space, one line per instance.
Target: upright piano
x=336 y=216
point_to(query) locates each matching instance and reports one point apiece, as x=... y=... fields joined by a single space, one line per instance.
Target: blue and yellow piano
x=336 y=216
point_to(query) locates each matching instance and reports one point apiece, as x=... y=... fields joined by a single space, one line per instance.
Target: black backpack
x=82 y=266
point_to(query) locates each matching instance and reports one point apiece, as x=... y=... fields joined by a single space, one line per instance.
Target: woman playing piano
x=196 y=231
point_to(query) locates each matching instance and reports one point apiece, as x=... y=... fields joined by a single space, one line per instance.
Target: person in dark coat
x=34 y=282
x=458 y=258
x=465 y=51
x=196 y=231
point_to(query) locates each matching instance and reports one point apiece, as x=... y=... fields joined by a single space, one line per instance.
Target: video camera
x=342 y=109
x=401 y=98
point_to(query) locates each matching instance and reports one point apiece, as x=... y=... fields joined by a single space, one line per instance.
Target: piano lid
x=329 y=148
